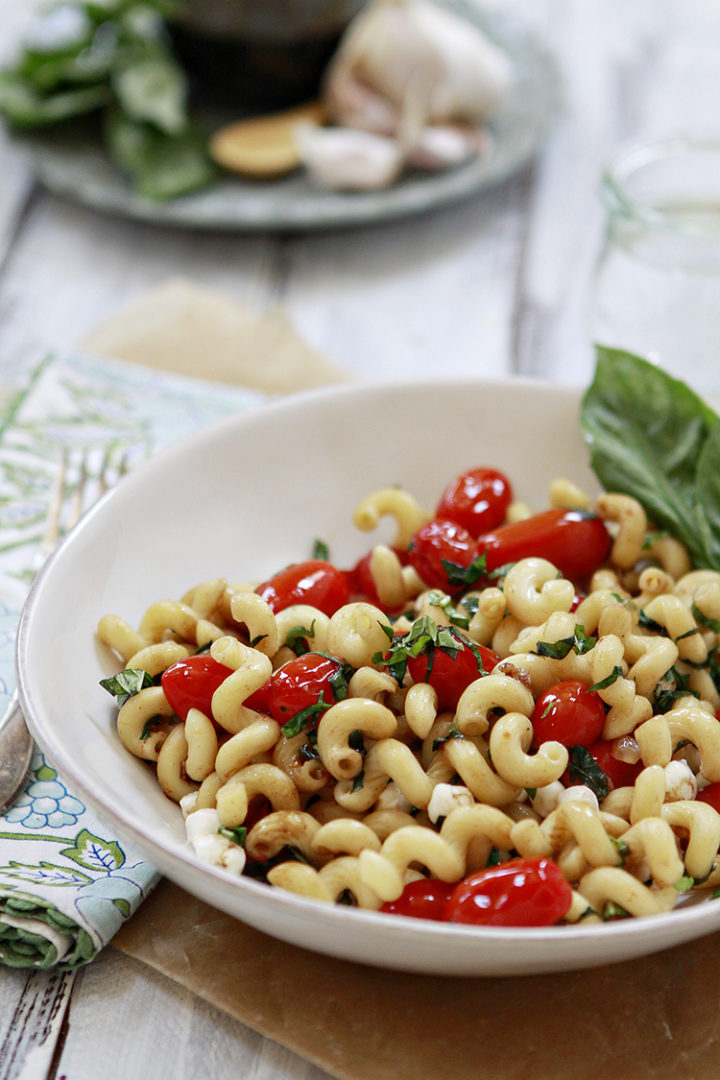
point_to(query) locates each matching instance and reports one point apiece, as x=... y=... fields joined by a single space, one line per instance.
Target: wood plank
x=128 y=1021
x=34 y=1024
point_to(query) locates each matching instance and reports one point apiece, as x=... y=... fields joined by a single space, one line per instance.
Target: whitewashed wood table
x=499 y=284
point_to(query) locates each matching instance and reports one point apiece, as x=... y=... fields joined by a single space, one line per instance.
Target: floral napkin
x=66 y=884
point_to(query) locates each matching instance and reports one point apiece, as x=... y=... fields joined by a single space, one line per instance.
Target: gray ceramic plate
x=79 y=169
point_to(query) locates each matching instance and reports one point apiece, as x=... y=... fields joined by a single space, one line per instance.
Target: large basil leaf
x=647 y=433
x=151 y=87
x=160 y=166
x=24 y=107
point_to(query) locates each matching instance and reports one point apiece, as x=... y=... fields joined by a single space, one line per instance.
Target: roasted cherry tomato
x=619 y=773
x=314 y=582
x=422 y=899
x=443 y=553
x=477 y=499
x=191 y=683
x=574 y=541
x=520 y=892
x=298 y=684
x=711 y=796
x=570 y=713
x=450 y=671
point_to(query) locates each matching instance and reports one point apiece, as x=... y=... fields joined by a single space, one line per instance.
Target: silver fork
x=72 y=494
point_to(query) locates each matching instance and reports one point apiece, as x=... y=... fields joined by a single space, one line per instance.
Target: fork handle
x=16 y=752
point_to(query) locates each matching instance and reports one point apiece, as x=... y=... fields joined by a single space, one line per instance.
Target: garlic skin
x=344 y=159
x=418 y=58
x=444 y=146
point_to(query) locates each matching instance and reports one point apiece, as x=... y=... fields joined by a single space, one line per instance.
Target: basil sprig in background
x=112 y=60
x=652 y=437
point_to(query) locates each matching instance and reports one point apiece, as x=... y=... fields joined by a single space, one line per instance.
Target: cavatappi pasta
x=493 y=689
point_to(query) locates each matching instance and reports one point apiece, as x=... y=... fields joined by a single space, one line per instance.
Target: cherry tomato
x=575 y=542
x=422 y=899
x=520 y=892
x=441 y=552
x=477 y=499
x=619 y=773
x=314 y=582
x=570 y=713
x=191 y=683
x=711 y=796
x=450 y=671
x=299 y=683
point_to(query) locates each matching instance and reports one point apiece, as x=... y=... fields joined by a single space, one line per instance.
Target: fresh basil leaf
x=152 y=88
x=707 y=499
x=584 y=769
x=456 y=618
x=23 y=107
x=126 y=684
x=452 y=733
x=670 y=687
x=583 y=642
x=358 y=782
x=614 y=911
x=150 y=725
x=296 y=638
x=160 y=166
x=622 y=848
x=646 y=432
x=650 y=624
x=685 y=884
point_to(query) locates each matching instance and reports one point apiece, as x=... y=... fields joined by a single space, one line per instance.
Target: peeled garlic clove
x=352 y=103
x=344 y=159
x=443 y=146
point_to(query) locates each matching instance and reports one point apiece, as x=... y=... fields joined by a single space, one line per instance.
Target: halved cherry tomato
x=711 y=796
x=314 y=582
x=619 y=773
x=299 y=683
x=422 y=899
x=191 y=683
x=570 y=713
x=575 y=542
x=477 y=499
x=442 y=553
x=450 y=671
x=520 y=892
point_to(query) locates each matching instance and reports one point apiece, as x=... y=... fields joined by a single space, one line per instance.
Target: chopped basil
x=236 y=833
x=471 y=603
x=531 y=792
x=203 y=648
x=584 y=769
x=704 y=620
x=321 y=551
x=580 y=642
x=614 y=911
x=256 y=640
x=649 y=624
x=684 y=884
x=358 y=781
x=715 y=894
x=652 y=538
x=671 y=686
x=603 y=684
x=493 y=858
x=500 y=572
x=465 y=575
x=297 y=636
x=555 y=650
x=688 y=633
x=452 y=733
x=150 y=725
x=126 y=684
x=622 y=848
x=438 y=599
x=298 y=722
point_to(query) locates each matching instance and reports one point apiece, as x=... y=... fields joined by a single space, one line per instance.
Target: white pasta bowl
x=242 y=499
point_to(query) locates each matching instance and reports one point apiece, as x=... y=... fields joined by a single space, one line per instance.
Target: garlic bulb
x=344 y=159
x=401 y=56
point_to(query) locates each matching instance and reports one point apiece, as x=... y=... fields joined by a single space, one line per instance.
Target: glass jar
x=657 y=291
